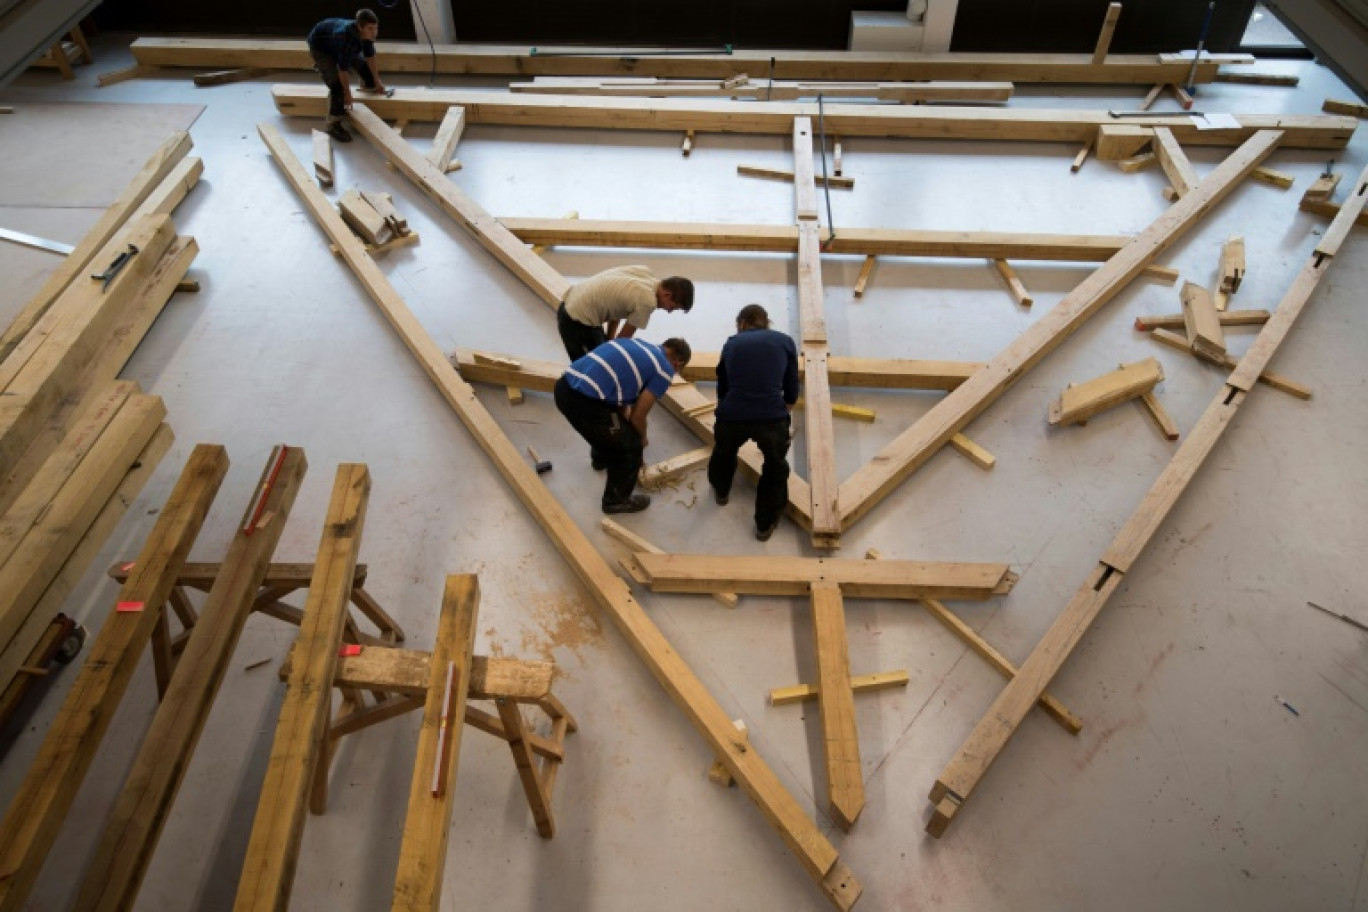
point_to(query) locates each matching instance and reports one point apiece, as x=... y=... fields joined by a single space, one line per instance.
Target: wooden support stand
x=1203 y=324
x=1129 y=381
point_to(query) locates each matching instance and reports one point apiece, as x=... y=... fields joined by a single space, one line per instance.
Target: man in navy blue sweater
x=339 y=46
x=757 y=385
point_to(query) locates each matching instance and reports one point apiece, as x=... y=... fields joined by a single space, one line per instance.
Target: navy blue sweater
x=756 y=375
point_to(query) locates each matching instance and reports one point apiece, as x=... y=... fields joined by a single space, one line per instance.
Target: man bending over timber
x=616 y=303
x=339 y=46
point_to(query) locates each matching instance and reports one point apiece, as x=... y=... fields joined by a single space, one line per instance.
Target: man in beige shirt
x=616 y=303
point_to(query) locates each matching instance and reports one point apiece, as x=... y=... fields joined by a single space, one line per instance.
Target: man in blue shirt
x=339 y=46
x=606 y=396
x=757 y=385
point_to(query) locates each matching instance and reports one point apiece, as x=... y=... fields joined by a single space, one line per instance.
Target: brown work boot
x=634 y=504
x=339 y=132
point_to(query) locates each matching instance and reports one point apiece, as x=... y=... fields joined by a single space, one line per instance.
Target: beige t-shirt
x=621 y=293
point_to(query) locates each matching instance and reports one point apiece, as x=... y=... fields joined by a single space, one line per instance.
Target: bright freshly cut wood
x=1174 y=162
x=1147 y=322
x=836 y=705
x=1104 y=37
x=1232 y=264
x=1129 y=381
x=1203 y=324
x=364 y=219
x=799 y=693
x=447 y=138
x=323 y=158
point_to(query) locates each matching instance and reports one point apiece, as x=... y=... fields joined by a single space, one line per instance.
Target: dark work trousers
x=772 y=437
x=327 y=68
x=612 y=439
x=578 y=339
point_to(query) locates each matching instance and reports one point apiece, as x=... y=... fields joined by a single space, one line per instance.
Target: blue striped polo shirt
x=616 y=372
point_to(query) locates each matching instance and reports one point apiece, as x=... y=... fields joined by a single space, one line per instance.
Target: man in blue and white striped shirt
x=606 y=396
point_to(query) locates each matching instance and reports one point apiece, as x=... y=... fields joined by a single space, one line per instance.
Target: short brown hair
x=366 y=17
x=679 y=348
x=753 y=316
x=681 y=289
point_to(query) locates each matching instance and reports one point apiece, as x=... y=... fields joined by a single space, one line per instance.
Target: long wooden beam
x=548 y=284
x=911 y=449
x=765 y=90
x=422 y=854
x=775 y=575
x=957 y=781
x=799 y=832
x=1308 y=131
x=133 y=828
x=273 y=850
x=508 y=60
x=49 y=789
x=784 y=239
x=836 y=705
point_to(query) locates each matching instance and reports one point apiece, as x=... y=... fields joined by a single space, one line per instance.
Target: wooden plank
x=1277 y=381
x=1301 y=131
x=990 y=735
x=1160 y=415
x=508 y=60
x=268 y=871
x=422 y=854
x=1330 y=210
x=976 y=454
x=1018 y=290
x=175 y=148
x=1270 y=176
x=132 y=830
x=1232 y=265
x=1146 y=322
x=1203 y=324
x=1082 y=401
x=363 y=218
x=1270 y=79
x=1174 y=162
x=1104 y=37
x=777 y=575
x=538 y=796
x=773 y=90
x=35 y=816
x=799 y=832
x=137 y=71
x=799 y=693
x=1181 y=95
x=653 y=477
x=1162 y=273
x=819 y=434
x=637 y=544
x=1151 y=96
x=779 y=174
x=1082 y=155
x=866 y=269
x=784 y=239
x=227 y=77
x=1116 y=141
x=1339 y=228
x=804 y=181
x=836 y=706
x=1351 y=108
x=447 y=138
x=47 y=543
x=1322 y=188
x=952 y=414
x=323 y=158
x=1138 y=162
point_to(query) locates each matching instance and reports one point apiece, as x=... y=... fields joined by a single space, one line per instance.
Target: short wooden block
x=1138 y=162
x=1232 y=264
x=1129 y=381
x=1203 y=324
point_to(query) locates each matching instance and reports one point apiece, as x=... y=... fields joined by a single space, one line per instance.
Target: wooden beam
x=800 y=833
x=866 y=269
x=1138 y=162
x=1080 y=402
x=779 y=174
x=50 y=787
x=364 y=220
x=323 y=158
x=447 y=138
x=836 y=705
x=1277 y=381
x=268 y=871
x=507 y=60
x=952 y=414
x=1351 y=108
x=653 y=477
x=1203 y=324
x=773 y=90
x=777 y=575
x=1181 y=95
x=1232 y=264
x=1273 y=178
x=1174 y=162
x=1151 y=96
x=1329 y=210
x=637 y=544
x=1116 y=141
x=1146 y=322
x=1105 y=36
x=802 y=176
x=1160 y=415
x=132 y=830
x=799 y=693
x=175 y=148
x=1269 y=79
x=422 y=854
x=227 y=77
x=975 y=453
x=1301 y=131
x=1082 y=155
x=1018 y=290
x=784 y=239
x=962 y=774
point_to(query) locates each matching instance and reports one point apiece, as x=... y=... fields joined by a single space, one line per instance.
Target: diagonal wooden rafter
x=799 y=832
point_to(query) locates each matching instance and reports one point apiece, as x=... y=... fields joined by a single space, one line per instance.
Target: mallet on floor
x=543 y=465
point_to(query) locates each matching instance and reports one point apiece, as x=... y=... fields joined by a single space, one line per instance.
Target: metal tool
x=1120 y=114
x=543 y=465
x=1201 y=43
x=1343 y=617
x=115 y=267
x=29 y=240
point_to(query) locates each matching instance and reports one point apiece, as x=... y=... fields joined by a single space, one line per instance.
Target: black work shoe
x=339 y=132
x=634 y=504
x=720 y=499
x=598 y=464
x=764 y=534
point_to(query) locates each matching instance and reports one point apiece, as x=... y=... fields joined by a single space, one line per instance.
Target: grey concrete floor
x=1190 y=786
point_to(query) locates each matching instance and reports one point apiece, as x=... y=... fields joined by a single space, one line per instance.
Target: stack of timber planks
x=77 y=444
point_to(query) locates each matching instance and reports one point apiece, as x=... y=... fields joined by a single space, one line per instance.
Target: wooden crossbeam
x=1301 y=131
x=1146 y=322
x=35 y=816
x=1080 y=402
x=798 y=693
x=773 y=90
x=799 y=179
x=836 y=705
x=1277 y=381
x=971 y=762
x=447 y=138
x=637 y=544
x=301 y=731
x=1092 y=248
x=914 y=446
x=497 y=60
x=1203 y=324
x=661 y=473
x=777 y=575
x=1174 y=162
x=800 y=833
x=975 y=453
x=422 y=854
x=1018 y=290
x=1105 y=36
x=132 y=830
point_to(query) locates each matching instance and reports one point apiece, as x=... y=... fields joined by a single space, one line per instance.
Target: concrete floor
x=1190 y=786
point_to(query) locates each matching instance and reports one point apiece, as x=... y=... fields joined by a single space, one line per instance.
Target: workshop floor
x=1191 y=787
